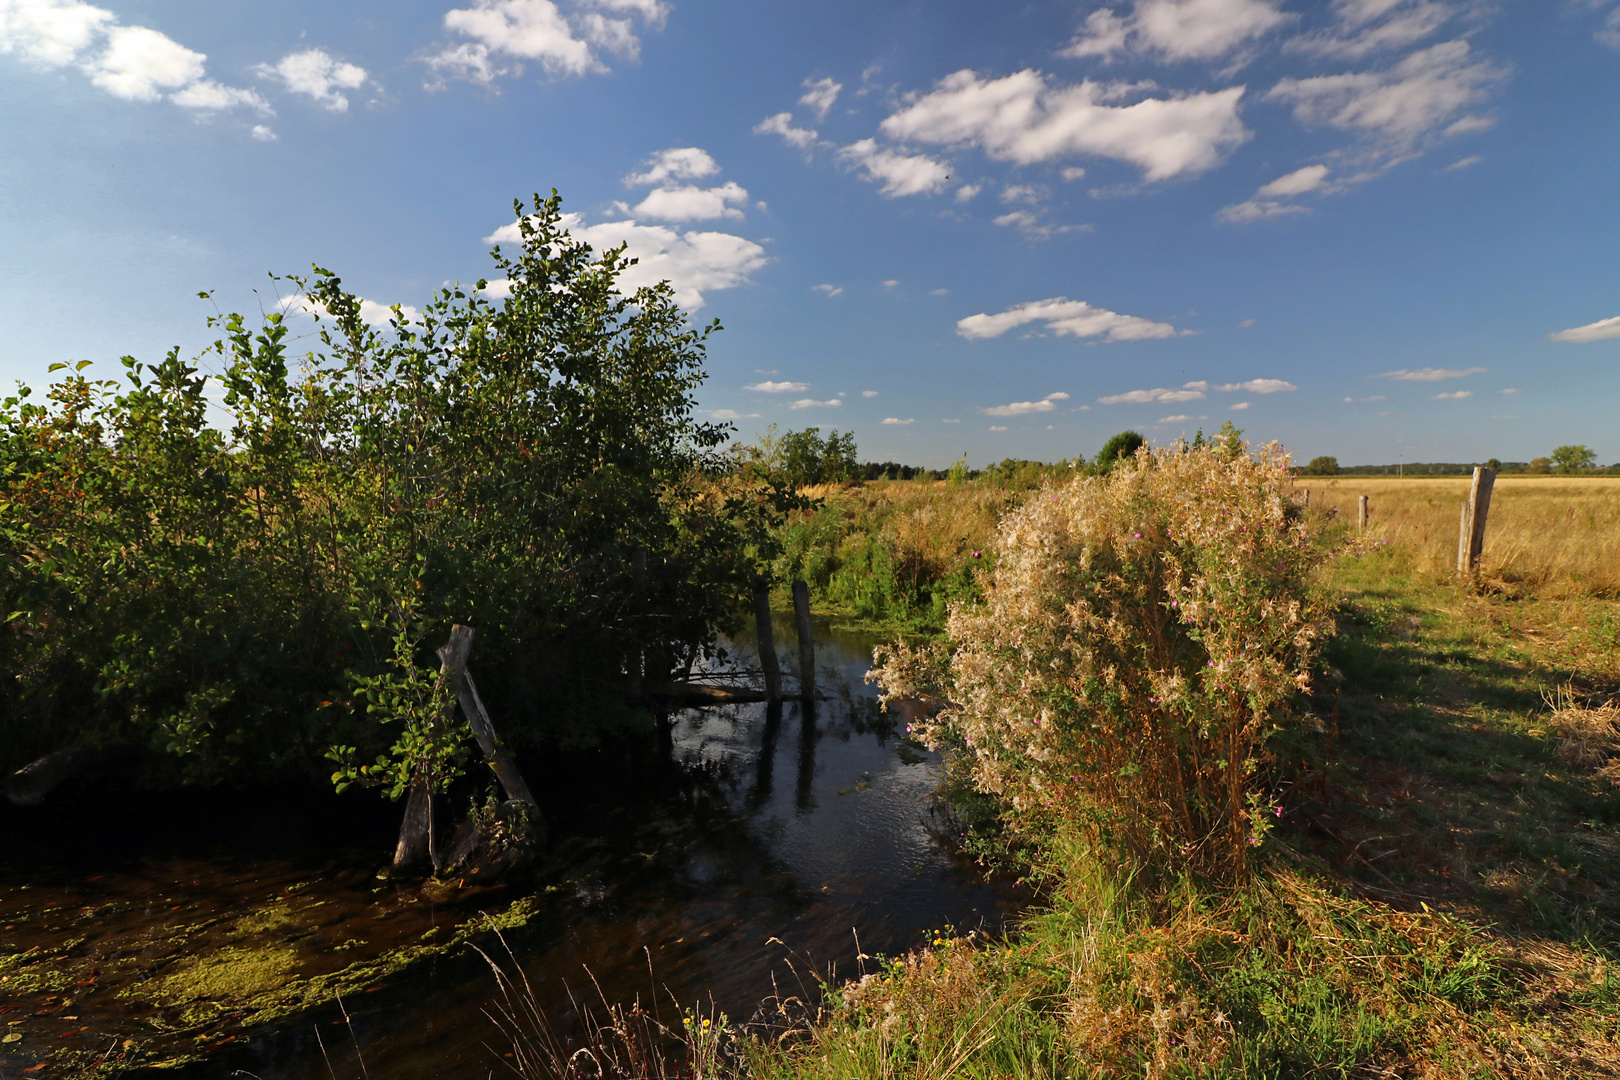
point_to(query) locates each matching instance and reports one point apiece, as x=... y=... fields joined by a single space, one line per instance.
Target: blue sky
x=1379 y=229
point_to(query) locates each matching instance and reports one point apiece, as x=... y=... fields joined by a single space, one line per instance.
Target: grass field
x=1550 y=535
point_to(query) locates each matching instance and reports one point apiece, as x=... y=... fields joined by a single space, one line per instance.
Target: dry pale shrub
x=1141 y=639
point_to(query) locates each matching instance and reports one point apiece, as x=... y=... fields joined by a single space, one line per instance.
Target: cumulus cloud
x=1031 y=194
x=1361 y=27
x=1422 y=95
x=1141 y=397
x=829 y=291
x=1363 y=400
x=1455 y=395
x=1179 y=418
x=1598 y=331
x=692 y=262
x=1510 y=390
x=966 y=192
x=782 y=124
x=318 y=75
x=732 y=414
x=1239 y=406
x=1024 y=408
x=507 y=33
x=899 y=172
x=812 y=403
x=676 y=163
x=1176 y=29
x=1271 y=199
x=1024 y=119
x=779 y=387
x=1463 y=163
x=1064 y=317
x=692 y=203
x=262 y=133
x=897 y=420
x=1258 y=386
x=135 y=63
x=819 y=96
x=371 y=312
x=869 y=393
x=1428 y=374
x=998 y=427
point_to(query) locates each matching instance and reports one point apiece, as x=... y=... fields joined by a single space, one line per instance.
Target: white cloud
x=318 y=75
x=1463 y=163
x=950 y=421
x=1598 y=331
x=676 y=163
x=1511 y=390
x=1063 y=316
x=1364 y=400
x=1400 y=106
x=966 y=192
x=1142 y=397
x=1366 y=26
x=1245 y=324
x=263 y=133
x=819 y=96
x=1267 y=201
x=692 y=262
x=1239 y=406
x=938 y=292
x=889 y=283
x=829 y=290
x=1020 y=118
x=1298 y=182
x=1031 y=225
x=900 y=173
x=1428 y=374
x=51 y=33
x=897 y=420
x=1177 y=29
x=779 y=387
x=732 y=414
x=782 y=124
x=1179 y=418
x=505 y=33
x=1455 y=395
x=371 y=312
x=1609 y=35
x=691 y=203
x=135 y=63
x=812 y=403
x=1023 y=193
x=1072 y=173
x=998 y=427
x=1258 y=386
x=1024 y=408
x=869 y=393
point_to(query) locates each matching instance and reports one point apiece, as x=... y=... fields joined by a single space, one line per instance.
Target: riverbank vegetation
x=1418 y=878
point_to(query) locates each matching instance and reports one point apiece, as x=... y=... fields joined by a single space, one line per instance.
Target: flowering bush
x=1140 y=640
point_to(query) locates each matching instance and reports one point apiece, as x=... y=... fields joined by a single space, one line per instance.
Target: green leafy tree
x=1325 y=465
x=1121 y=447
x=1573 y=459
x=226 y=602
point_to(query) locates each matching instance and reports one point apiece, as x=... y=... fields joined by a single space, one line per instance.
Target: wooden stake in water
x=1362 y=502
x=807 y=641
x=1471 y=530
x=767 y=645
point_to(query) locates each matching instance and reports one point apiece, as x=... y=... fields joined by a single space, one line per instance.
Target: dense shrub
x=1141 y=639
x=529 y=463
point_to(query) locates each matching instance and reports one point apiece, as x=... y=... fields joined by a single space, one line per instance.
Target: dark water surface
x=736 y=861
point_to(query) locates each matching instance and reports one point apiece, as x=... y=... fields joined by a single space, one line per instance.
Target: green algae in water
x=232 y=975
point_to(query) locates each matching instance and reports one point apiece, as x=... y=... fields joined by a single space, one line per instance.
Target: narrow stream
x=742 y=866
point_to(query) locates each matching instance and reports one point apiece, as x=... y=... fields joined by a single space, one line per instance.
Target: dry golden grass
x=934 y=522
x=1554 y=534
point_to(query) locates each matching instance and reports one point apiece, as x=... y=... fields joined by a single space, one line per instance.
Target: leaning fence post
x=1362 y=504
x=767 y=645
x=807 y=641
x=1471 y=529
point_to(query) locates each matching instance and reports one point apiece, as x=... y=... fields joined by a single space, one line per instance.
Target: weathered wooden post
x=1362 y=505
x=767 y=644
x=1471 y=530
x=807 y=641
x=453 y=658
x=1307 y=498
